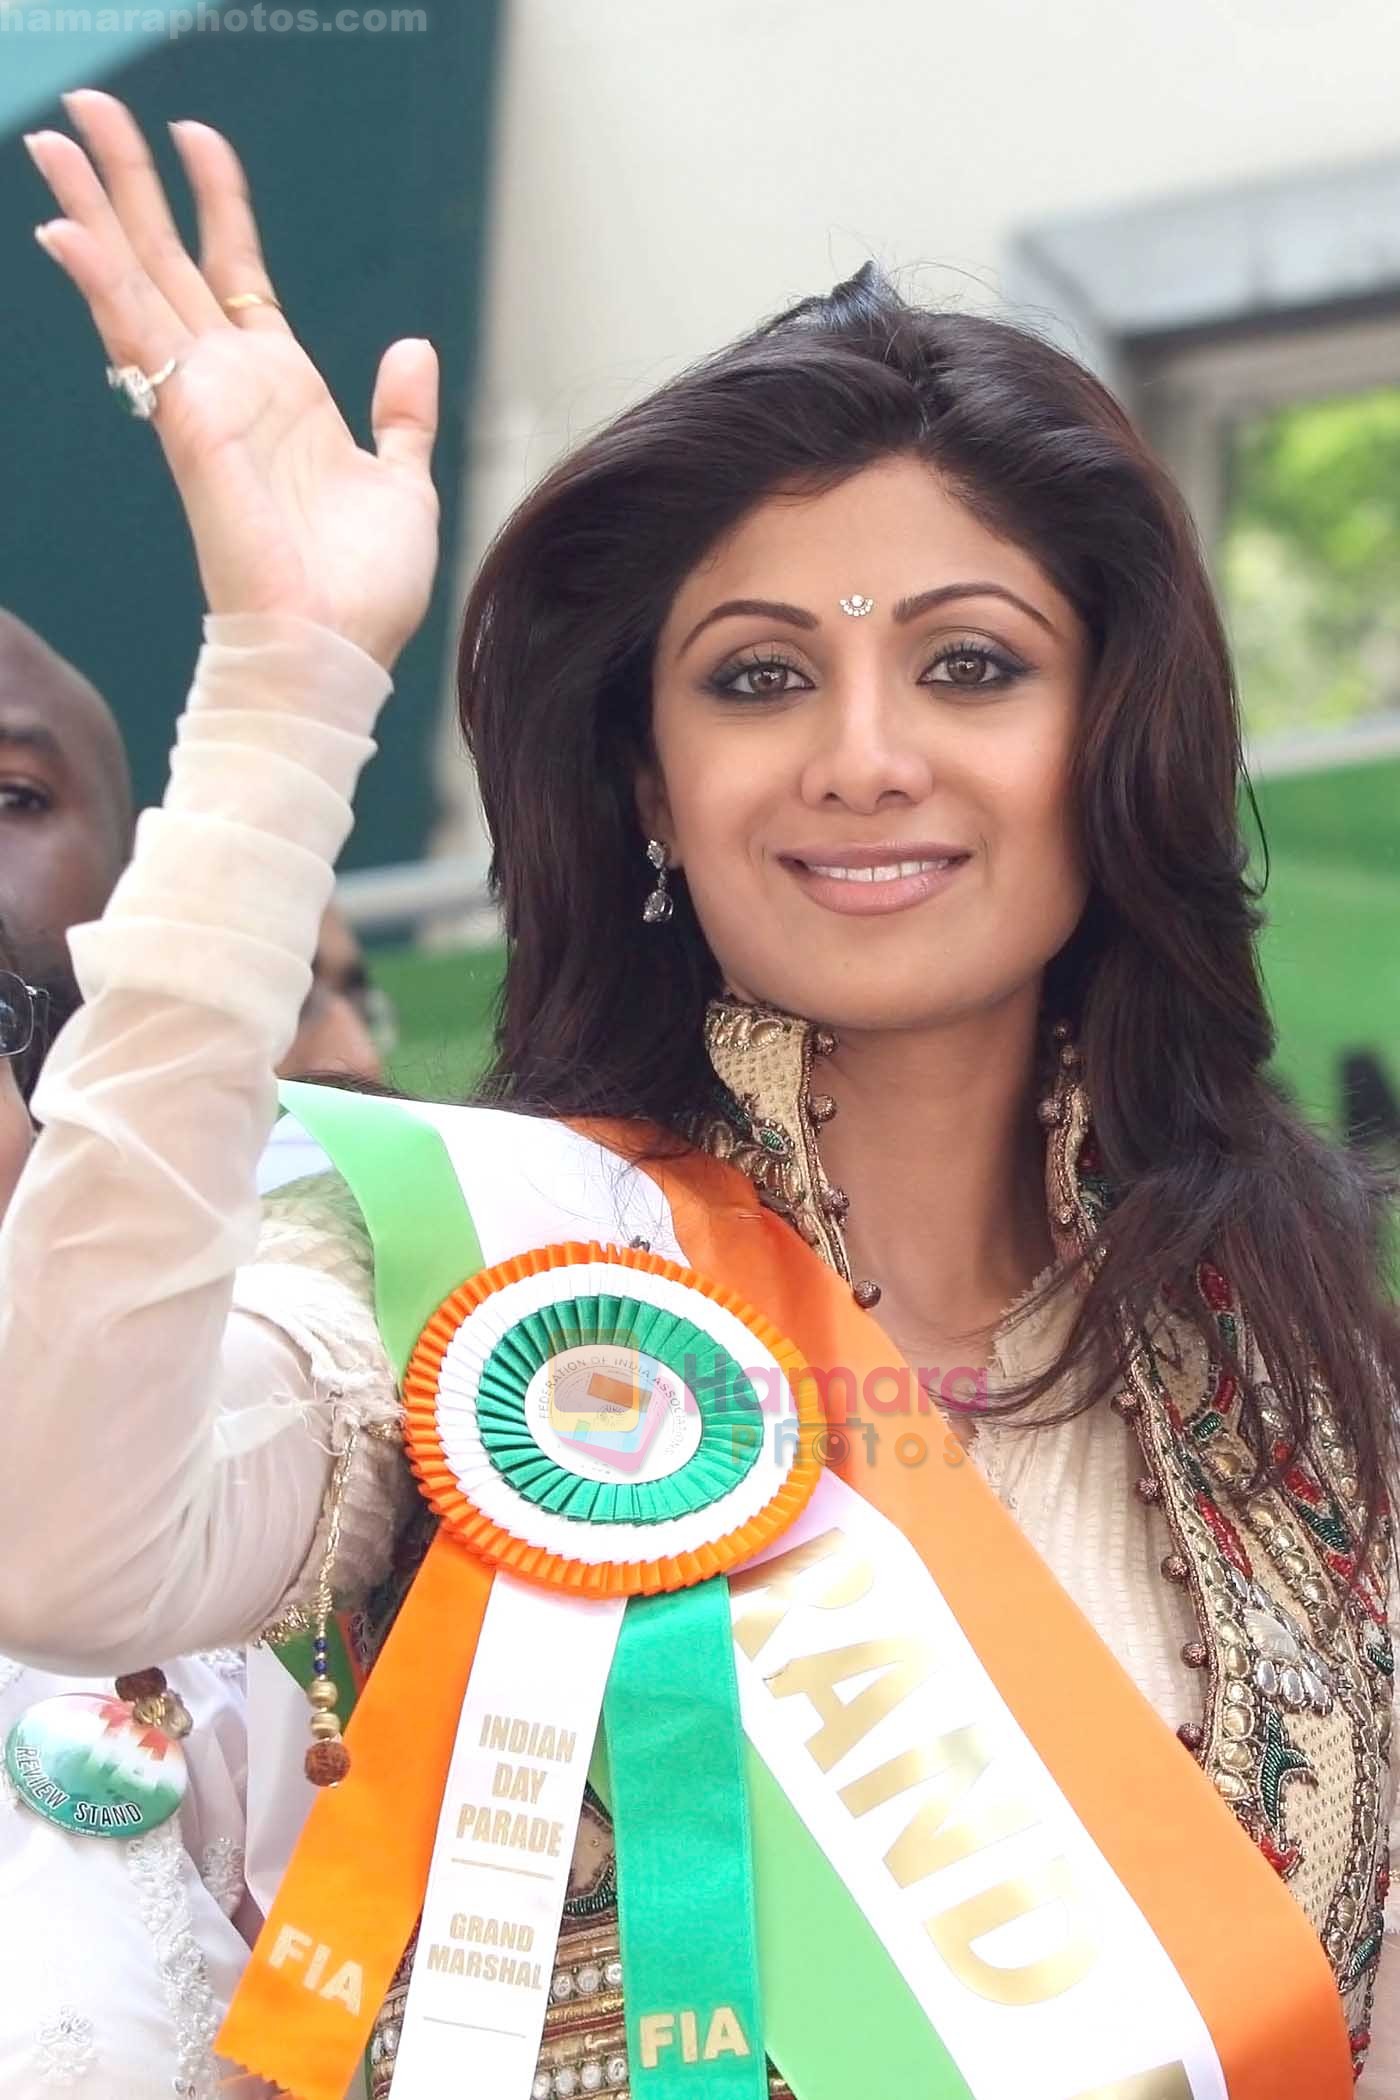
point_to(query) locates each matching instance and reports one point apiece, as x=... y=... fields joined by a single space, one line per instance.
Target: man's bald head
x=65 y=800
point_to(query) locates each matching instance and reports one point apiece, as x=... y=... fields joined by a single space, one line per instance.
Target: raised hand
x=288 y=513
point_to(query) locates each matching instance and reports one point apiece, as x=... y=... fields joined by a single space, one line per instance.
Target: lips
x=866 y=880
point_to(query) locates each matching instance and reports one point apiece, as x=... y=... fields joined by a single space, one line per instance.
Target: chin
x=876 y=1006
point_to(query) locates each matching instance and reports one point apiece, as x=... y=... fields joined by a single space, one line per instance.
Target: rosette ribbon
x=584 y=1423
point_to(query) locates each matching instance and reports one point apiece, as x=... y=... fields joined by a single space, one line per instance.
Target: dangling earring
x=660 y=903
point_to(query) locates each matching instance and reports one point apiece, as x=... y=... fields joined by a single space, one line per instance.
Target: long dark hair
x=1160 y=982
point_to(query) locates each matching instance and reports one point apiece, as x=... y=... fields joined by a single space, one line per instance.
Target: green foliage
x=1310 y=559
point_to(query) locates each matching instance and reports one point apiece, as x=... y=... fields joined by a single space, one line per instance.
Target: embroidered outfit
x=238 y=1372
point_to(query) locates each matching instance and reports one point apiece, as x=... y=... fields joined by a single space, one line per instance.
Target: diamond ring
x=138 y=388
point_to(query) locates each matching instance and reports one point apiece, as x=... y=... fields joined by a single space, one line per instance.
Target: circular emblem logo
x=609 y=1413
x=85 y=1762
x=606 y=1421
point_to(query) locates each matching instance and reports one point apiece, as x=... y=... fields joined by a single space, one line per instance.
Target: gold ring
x=236 y=301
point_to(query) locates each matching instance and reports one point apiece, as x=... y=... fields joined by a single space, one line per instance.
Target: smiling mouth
x=885 y=871
x=868 y=881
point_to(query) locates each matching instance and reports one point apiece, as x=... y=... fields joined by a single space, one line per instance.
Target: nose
x=869 y=749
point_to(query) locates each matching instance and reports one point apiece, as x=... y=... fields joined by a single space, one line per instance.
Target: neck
x=935 y=1142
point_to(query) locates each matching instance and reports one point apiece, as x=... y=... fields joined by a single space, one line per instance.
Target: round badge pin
x=83 y=1761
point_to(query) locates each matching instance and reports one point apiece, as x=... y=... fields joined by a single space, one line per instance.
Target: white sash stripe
x=497 y=1903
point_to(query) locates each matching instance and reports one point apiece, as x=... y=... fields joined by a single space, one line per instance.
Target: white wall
x=668 y=171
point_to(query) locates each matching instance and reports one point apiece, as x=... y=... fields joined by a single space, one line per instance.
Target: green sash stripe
x=685 y=1894
x=377 y=1147
x=394 y=1164
x=838 y=2017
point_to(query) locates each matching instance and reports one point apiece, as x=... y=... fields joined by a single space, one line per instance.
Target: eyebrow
x=910 y=608
x=344 y=978
x=32 y=736
x=905 y=610
x=758 y=608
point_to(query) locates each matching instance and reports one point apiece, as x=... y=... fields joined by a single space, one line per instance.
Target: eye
x=22 y=798
x=761 y=676
x=973 y=666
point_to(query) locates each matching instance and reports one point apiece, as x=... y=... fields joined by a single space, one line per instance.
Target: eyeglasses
x=21 y=1009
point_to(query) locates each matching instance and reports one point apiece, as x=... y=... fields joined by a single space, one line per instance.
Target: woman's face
x=871 y=809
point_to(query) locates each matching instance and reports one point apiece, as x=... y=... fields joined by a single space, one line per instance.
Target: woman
x=858 y=741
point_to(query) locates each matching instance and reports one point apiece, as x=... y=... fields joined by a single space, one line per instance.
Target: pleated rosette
x=606 y=1422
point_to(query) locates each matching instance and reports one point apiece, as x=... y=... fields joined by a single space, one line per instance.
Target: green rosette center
x=731 y=1418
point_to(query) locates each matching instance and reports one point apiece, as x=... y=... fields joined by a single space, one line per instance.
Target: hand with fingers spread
x=288 y=513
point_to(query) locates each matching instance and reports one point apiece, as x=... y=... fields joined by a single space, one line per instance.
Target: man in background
x=66 y=823
x=66 y=813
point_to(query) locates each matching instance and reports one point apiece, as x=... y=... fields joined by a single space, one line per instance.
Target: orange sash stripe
x=1240 y=1943
x=368 y=1873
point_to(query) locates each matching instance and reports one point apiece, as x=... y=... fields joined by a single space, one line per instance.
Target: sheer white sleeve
x=166 y=1440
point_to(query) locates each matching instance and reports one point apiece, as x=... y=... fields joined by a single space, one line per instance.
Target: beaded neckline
x=770 y=1106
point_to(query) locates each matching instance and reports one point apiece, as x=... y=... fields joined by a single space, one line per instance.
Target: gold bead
x=323 y=1692
x=324 y=1726
x=866 y=1293
x=176 y=1719
x=821 y=1108
x=823 y=1042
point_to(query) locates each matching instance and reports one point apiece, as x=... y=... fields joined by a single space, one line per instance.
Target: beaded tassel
x=327 y=1760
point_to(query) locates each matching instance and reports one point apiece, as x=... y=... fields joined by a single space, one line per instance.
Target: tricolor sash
x=973 y=1861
